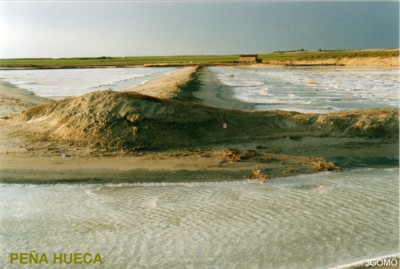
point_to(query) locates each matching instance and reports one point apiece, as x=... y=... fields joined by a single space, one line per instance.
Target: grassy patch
x=116 y=61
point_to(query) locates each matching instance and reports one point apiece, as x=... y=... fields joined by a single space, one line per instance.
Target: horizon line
x=188 y=55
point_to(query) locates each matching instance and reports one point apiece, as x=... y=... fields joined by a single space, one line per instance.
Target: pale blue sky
x=123 y=28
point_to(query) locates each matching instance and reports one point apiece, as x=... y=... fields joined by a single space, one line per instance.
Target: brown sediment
x=130 y=137
x=342 y=61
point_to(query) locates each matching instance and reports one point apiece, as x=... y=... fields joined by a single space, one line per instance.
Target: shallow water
x=59 y=83
x=318 y=90
x=285 y=223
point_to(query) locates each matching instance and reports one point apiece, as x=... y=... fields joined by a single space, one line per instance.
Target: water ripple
x=307 y=221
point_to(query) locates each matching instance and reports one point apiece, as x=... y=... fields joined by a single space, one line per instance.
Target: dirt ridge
x=129 y=120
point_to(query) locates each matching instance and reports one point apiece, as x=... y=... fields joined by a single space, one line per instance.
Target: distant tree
x=319 y=49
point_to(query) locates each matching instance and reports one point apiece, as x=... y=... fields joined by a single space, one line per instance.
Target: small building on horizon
x=248 y=59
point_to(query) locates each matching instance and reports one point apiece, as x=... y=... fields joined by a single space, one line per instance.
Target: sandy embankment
x=168 y=87
x=364 y=57
x=344 y=61
x=127 y=136
x=14 y=100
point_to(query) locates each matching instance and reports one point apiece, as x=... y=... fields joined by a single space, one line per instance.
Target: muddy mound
x=132 y=121
x=367 y=123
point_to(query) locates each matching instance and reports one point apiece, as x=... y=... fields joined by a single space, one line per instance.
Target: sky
x=35 y=29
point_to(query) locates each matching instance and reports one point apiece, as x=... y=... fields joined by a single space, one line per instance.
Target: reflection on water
x=308 y=221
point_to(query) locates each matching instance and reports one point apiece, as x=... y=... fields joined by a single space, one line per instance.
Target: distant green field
x=116 y=61
x=190 y=59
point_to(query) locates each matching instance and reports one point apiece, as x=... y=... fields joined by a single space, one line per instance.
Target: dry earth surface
x=161 y=132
